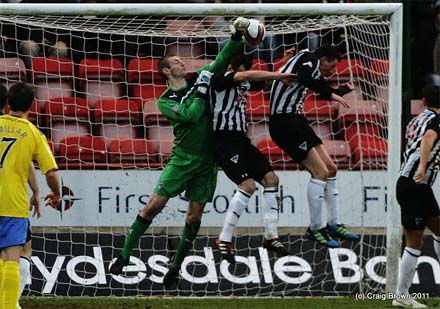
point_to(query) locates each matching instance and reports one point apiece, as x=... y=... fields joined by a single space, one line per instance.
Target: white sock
x=437 y=246
x=315 y=196
x=407 y=269
x=331 y=196
x=270 y=212
x=25 y=272
x=238 y=204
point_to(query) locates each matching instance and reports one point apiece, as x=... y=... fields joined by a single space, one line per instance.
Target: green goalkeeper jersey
x=189 y=115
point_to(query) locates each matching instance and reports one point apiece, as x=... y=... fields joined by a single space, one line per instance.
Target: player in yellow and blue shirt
x=20 y=144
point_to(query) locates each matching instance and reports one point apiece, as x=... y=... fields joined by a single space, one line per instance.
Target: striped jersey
x=286 y=99
x=228 y=102
x=415 y=131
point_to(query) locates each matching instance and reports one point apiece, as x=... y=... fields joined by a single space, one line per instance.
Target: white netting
x=96 y=87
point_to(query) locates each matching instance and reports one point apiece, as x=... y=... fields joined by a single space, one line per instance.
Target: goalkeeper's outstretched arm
x=232 y=46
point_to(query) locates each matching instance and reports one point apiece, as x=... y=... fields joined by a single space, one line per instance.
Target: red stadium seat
x=257 y=107
x=134 y=151
x=361 y=111
x=321 y=110
x=52 y=77
x=258 y=131
x=34 y=115
x=78 y=149
x=162 y=137
x=380 y=69
x=322 y=129
x=101 y=79
x=101 y=69
x=117 y=118
x=143 y=70
x=374 y=152
x=277 y=64
x=339 y=151
x=66 y=117
x=344 y=67
x=363 y=117
x=152 y=114
x=12 y=70
x=260 y=64
x=275 y=155
x=147 y=91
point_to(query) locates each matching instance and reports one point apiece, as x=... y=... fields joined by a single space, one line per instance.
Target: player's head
x=329 y=58
x=240 y=63
x=3 y=97
x=431 y=96
x=20 y=97
x=171 y=66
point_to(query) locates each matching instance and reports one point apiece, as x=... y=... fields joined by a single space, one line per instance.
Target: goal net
x=96 y=82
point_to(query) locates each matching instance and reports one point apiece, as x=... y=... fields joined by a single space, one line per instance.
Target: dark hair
x=3 y=97
x=164 y=63
x=239 y=59
x=328 y=51
x=431 y=93
x=20 y=97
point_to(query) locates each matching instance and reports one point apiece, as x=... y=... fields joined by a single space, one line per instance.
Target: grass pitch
x=205 y=302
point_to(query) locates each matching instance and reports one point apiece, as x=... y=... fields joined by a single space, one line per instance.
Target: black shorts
x=292 y=133
x=417 y=203
x=239 y=158
x=29 y=233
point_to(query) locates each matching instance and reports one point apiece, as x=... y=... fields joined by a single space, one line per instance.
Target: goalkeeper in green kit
x=191 y=167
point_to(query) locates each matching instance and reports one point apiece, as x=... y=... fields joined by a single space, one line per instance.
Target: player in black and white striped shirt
x=290 y=130
x=241 y=161
x=419 y=208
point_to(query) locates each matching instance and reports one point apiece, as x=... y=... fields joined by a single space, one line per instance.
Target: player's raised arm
x=232 y=46
x=256 y=76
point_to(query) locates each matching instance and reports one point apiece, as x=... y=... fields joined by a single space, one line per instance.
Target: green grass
x=211 y=303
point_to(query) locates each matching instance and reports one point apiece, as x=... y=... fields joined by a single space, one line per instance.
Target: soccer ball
x=254 y=32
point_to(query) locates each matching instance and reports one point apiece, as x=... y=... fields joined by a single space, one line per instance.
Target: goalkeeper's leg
x=192 y=225
x=140 y=225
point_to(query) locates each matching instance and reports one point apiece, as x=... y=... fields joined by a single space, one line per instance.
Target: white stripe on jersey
x=284 y=99
x=414 y=135
x=229 y=108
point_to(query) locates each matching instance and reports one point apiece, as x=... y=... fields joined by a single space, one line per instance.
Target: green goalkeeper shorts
x=195 y=175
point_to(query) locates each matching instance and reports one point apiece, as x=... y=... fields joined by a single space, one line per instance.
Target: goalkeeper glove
x=202 y=83
x=238 y=26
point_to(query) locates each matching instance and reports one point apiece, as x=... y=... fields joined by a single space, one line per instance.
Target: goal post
x=368 y=33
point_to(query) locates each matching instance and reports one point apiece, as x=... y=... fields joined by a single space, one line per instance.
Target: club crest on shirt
x=175 y=108
x=418 y=221
x=303 y=146
x=234 y=159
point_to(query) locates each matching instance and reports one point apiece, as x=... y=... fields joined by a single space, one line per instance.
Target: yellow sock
x=11 y=284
